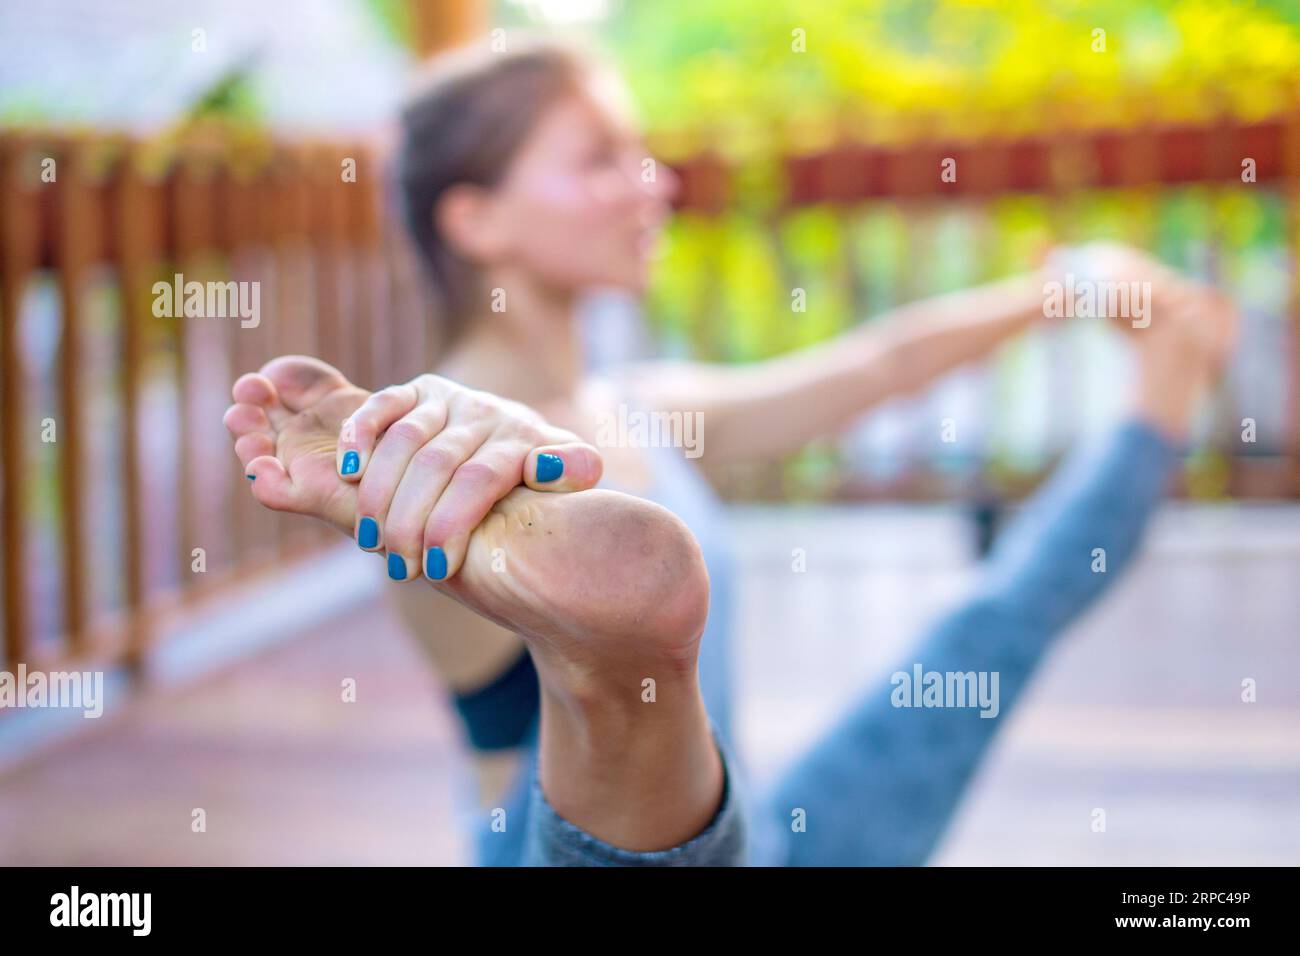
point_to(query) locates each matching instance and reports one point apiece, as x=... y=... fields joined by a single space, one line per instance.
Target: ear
x=464 y=217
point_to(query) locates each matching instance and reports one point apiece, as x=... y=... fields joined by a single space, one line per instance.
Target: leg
x=882 y=785
x=607 y=591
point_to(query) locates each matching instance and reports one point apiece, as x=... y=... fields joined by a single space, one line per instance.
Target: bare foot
x=285 y=422
x=637 y=572
x=606 y=589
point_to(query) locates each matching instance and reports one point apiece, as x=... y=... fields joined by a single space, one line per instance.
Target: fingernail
x=435 y=564
x=397 y=567
x=549 y=467
x=351 y=463
x=251 y=477
x=368 y=533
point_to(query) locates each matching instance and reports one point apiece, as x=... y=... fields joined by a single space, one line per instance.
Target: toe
x=244 y=418
x=257 y=390
x=270 y=484
x=249 y=426
x=301 y=381
x=253 y=445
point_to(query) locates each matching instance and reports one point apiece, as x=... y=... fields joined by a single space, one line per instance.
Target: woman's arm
x=771 y=408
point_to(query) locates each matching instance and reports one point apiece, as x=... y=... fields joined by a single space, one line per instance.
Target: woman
x=578 y=620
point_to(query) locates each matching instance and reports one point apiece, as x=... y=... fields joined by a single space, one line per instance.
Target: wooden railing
x=114 y=464
x=87 y=226
x=850 y=184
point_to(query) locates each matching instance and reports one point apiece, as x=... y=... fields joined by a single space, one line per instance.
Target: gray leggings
x=880 y=787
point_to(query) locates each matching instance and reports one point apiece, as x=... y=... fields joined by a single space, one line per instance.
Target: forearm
x=774 y=407
x=924 y=340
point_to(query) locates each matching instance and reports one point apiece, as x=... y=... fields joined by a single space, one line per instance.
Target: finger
x=387 y=465
x=575 y=466
x=363 y=427
x=473 y=490
x=422 y=484
x=270 y=483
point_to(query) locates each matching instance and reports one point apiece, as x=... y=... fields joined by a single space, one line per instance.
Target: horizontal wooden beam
x=1106 y=159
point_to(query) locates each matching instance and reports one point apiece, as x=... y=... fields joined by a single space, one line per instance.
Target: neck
x=529 y=352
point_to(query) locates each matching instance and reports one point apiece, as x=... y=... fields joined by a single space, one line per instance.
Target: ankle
x=616 y=692
x=641 y=778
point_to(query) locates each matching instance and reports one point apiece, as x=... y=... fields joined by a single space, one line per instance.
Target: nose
x=668 y=182
x=656 y=181
x=649 y=175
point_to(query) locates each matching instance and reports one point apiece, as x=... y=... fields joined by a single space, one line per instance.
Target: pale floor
x=1138 y=713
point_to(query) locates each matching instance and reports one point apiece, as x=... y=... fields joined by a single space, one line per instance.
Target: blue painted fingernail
x=368 y=533
x=397 y=567
x=549 y=467
x=351 y=463
x=435 y=564
x=251 y=477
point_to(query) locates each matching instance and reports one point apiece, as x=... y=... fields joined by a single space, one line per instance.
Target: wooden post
x=246 y=252
x=192 y=198
x=138 y=214
x=1291 y=189
x=328 y=216
x=78 y=245
x=362 y=229
x=441 y=24
x=20 y=243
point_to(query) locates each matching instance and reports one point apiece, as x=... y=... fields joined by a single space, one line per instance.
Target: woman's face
x=582 y=202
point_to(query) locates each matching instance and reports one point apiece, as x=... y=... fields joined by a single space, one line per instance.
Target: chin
x=637 y=284
x=638 y=273
x=634 y=280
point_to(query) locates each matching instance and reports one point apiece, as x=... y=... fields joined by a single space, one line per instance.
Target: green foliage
x=394 y=18
x=731 y=70
x=728 y=76
x=232 y=98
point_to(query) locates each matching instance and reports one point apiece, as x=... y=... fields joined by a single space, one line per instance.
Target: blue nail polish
x=251 y=477
x=435 y=564
x=351 y=463
x=549 y=467
x=397 y=567
x=368 y=533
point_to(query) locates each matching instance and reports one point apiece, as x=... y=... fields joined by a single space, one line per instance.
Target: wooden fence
x=101 y=219
x=1140 y=170
x=89 y=223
